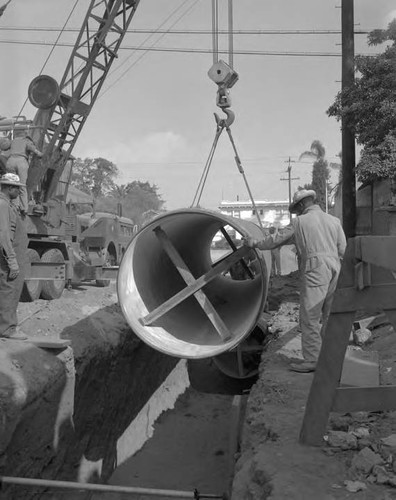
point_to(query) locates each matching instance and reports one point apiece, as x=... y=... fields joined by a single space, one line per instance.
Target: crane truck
x=65 y=247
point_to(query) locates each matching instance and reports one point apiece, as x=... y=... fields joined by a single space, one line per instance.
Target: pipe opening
x=148 y=278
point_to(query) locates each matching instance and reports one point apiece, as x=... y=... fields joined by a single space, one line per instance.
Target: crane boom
x=57 y=129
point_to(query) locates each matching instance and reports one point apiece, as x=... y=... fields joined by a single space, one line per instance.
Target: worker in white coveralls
x=13 y=251
x=320 y=242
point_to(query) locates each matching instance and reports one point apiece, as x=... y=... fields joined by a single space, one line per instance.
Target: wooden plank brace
x=190 y=280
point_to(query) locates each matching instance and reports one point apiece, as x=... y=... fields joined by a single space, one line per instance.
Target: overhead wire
x=195 y=31
x=152 y=33
x=53 y=48
x=150 y=48
x=201 y=51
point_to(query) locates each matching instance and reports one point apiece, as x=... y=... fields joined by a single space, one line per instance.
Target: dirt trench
x=62 y=411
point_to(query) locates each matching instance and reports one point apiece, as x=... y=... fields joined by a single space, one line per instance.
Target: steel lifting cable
x=223 y=124
x=240 y=168
x=219 y=130
x=204 y=176
x=231 y=64
x=230 y=35
x=215 y=30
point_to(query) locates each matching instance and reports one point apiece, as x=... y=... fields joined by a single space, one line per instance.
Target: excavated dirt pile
x=358 y=456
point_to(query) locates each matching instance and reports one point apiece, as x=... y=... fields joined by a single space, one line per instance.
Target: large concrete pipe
x=176 y=298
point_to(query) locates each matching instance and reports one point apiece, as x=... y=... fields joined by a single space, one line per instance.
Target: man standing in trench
x=13 y=247
x=320 y=242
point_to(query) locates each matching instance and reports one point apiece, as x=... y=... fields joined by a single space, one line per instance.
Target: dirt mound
x=283 y=289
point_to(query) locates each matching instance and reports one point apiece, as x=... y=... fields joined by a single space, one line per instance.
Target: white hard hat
x=11 y=180
x=300 y=195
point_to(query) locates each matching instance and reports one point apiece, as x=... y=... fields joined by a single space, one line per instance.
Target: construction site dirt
x=65 y=412
x=356 y=459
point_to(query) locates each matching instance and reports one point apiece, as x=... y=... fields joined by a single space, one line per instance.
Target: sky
x=155 y=116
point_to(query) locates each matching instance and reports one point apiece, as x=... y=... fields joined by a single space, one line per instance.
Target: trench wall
x=62 y=413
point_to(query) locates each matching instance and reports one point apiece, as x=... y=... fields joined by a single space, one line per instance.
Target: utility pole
x=289 y=178
x=348 y=137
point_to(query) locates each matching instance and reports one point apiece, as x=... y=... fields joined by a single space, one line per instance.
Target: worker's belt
x=319 y=254
x=19 y=155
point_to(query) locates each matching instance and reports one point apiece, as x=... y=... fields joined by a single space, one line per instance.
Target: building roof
x=248 y=204
x=74 y=195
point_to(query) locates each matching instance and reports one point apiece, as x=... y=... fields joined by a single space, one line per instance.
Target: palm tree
x=320 y=172
x=119 y=191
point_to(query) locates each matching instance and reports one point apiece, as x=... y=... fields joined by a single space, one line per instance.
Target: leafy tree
x=137 y=198
x=320 y=172
x=369 y=108
x=94 y=176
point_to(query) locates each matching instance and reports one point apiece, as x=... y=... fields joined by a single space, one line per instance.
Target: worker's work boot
x=304 y=367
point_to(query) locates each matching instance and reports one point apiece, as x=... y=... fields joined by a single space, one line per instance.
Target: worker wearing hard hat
x=13 y=249
x=320 y=242
x=21 y=147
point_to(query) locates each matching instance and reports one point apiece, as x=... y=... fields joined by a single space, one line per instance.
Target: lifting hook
x=225 y=122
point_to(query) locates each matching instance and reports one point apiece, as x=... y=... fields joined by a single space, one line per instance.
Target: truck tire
x=31 y=289
x=52 y=289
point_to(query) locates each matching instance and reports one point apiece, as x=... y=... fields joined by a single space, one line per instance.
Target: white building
x=271 y=213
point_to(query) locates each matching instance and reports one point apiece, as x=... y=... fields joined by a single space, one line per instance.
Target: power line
x=196 y=51
x=53 y=48
x=141 y=55
x=194 y=32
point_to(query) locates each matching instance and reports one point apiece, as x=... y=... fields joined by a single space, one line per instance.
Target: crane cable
x=219 y=129
x=215 y=30
x=53 y=48
x=230 y=35
x=225 y=123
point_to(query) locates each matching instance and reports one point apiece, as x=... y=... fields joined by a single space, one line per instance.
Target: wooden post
x=348 y=137
x=356 y=290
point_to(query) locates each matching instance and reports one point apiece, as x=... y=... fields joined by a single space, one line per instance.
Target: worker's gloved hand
x=250 y=242
x=14 y=269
